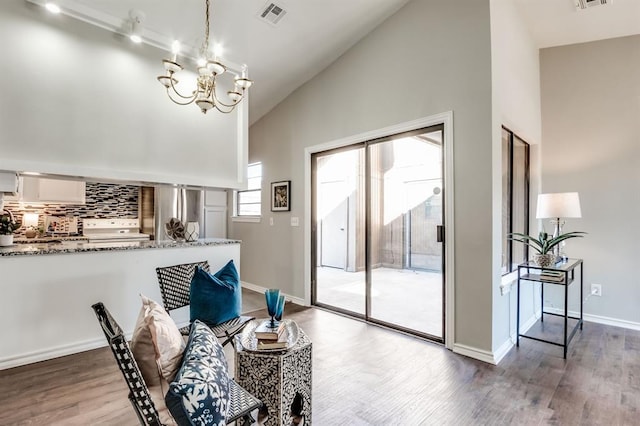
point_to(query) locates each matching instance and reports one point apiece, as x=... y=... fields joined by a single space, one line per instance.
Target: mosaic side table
x=276 y=377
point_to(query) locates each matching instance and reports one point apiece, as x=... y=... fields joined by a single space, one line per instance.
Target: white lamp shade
x=560 y=204
x=30 y=219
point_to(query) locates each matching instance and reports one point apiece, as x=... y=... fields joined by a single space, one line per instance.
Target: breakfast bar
x=48 y=289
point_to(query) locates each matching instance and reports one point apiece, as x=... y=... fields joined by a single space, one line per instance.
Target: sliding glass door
x=377 y=228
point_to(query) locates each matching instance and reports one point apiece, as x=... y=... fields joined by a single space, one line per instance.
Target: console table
x=276 y=377
x=564 y=275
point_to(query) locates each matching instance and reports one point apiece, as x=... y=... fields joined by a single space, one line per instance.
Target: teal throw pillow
x=216 y=298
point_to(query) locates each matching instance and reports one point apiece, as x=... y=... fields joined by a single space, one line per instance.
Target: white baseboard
x=475 y=353
x=259 y=289
x=50 y=353
x=599 y=319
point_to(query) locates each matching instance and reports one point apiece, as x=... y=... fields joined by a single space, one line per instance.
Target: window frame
x=508 y=251
x=237 y=217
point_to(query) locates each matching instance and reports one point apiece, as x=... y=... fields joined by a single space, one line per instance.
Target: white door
x=333 y=226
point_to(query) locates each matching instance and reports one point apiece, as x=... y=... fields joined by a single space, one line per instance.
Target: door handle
x=440 y=233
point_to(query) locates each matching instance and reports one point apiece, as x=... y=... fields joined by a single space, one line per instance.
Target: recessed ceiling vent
x=272 y=13
x=586 y=4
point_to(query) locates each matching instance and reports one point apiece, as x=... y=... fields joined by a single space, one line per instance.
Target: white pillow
x=157 y=344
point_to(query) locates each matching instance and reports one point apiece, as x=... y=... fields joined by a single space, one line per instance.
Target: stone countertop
x=80 y=246
x=49 y=239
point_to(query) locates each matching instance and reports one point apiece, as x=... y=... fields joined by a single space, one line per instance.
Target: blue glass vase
x=279 y=309
x=272 y=296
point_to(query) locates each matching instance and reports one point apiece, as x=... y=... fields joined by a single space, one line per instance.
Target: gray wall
x=82 y=101
x=591 y=132
x=430 y=57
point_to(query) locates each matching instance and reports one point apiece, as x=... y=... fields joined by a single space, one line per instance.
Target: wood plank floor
x=366 y=375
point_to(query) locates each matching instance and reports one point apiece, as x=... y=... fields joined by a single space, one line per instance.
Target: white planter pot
x=6 y=240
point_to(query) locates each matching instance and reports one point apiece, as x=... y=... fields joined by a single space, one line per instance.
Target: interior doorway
x=377 y=221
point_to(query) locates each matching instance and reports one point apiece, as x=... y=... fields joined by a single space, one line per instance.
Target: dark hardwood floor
x=366 y=375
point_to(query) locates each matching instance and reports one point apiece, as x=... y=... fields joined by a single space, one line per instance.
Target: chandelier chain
x=205 y=43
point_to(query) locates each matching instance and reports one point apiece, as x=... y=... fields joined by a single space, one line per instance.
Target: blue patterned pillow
x=199 y=395
x=215 y=298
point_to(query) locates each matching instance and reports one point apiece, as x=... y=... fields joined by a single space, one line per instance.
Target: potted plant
x=543 y=245
x=7 y=226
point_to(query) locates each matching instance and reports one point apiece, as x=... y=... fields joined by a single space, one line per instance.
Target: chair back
x=175 y=282
x=138 y=392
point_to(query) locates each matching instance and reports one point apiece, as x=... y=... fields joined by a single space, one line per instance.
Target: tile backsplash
x=103 y=201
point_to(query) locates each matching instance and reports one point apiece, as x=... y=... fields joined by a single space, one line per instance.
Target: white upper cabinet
x=40 y=190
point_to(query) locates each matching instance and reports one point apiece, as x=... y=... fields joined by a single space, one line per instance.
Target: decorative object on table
x=174 y=229
x=8 y=225
x=281 y=196
x=61 y=225
x=287 y=331
x=30 y=221
x=543 y=245
x=556 y=206
x=204 y=95
x=192 y=231
x=272 y=296
x=279 y=308
x=277 y=377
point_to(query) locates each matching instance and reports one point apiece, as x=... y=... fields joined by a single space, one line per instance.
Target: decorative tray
x=250 y=342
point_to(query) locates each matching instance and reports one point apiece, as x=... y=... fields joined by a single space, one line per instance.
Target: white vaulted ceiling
x=314 y=33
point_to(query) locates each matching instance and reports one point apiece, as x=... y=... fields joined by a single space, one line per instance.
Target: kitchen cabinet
x=215 y=214
x=42 y=190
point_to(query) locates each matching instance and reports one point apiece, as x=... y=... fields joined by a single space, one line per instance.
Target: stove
x=112 y=230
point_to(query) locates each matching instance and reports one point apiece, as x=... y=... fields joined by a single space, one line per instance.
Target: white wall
x=516 y=105
x=79 y=100
x=591 y=130
x=430 y=57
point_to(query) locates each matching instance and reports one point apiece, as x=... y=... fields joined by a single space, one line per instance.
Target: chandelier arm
x=218 y=101
x=187 y=102
x=224 y=111
x=192 y=97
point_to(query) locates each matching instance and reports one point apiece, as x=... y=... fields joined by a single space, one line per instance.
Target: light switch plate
x=295 y=221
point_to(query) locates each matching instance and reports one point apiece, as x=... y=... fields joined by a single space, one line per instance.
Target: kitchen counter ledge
x=72 y=246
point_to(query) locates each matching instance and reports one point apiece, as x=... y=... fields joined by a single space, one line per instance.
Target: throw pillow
x=216 y=298
x=199 y=394
x=159 y=330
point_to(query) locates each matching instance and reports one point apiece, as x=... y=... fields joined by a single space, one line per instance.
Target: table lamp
x=556 y=206
x=30 y=221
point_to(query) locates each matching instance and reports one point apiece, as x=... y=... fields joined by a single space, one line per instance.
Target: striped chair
x=174 y=287
x=241 y=402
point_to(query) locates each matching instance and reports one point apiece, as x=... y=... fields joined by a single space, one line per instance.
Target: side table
x=565 y=275
x=276 y=377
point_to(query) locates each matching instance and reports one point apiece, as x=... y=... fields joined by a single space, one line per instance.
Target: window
x=248 y=202
x=515 y=198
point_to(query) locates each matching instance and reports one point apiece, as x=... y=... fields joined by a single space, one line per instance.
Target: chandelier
x=204 y=95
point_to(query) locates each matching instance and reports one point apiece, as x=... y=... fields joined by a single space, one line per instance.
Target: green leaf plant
x=543 y=244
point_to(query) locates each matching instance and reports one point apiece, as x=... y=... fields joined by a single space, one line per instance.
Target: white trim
x=248 y=219
x=631 y=325
x=260 y=289
x=475 y=353
x=445 y=118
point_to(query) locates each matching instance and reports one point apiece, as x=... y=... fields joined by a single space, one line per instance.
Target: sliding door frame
x=444 y=119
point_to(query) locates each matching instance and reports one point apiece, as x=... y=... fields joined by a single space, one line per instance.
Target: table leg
x=541 y=302
x=581 y=290
x=566 y=317
x=518 y=311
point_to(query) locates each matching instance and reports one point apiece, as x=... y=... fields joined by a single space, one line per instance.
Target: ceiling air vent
x=271 y=13
x=586 y=4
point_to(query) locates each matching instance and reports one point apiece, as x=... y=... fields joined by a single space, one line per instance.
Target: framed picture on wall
x=281 y=196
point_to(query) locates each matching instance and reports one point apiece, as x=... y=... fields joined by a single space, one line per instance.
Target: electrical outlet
x=596 y=289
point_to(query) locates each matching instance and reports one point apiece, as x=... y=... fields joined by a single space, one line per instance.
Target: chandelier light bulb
x=201 y=62
x=175 y=47
x=218 y=50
